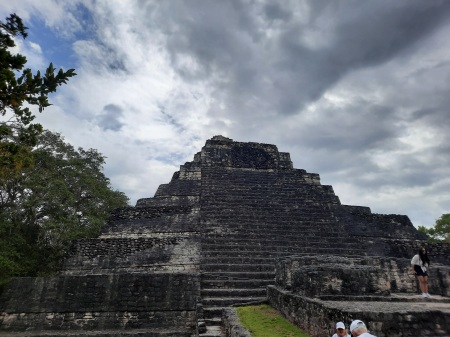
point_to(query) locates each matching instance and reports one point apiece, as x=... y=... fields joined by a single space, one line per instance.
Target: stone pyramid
x=207 y=240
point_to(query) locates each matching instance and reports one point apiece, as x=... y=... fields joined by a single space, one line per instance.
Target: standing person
x=420 y=264
x=358 y=328
x=341 y=331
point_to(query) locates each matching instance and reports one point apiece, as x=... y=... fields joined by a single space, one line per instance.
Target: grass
x=265 y=321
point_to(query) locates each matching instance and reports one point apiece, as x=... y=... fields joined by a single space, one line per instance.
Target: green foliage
x=17 y=89
x=264 y=321
x=441 y=230
x=63 y=196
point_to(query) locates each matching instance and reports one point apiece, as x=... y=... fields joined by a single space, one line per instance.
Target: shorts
x=419 y=271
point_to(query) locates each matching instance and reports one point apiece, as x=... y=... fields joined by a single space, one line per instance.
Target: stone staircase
x=248 y=226
x=238 y=270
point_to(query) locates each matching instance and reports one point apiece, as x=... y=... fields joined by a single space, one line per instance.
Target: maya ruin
x=237 y=225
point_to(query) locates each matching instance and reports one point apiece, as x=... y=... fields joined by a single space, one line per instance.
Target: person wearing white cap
x=359 y=329
x=341 y=331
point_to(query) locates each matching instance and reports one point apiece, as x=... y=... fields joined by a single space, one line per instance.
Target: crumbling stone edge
x=232 y=324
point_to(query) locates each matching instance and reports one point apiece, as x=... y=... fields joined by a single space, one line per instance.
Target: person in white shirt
x=420 y=264
x=359 y=329
x=341 y=331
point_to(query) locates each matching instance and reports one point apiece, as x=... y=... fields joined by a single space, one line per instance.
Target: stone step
x=212 y=331
x=255 y=201
x=282 y=235
x=213 y=321
x=274 y=238
x=237 y=260
x=211 y=254
x=252 y=246
x=237 y=284
x=257 y=208
x=211 y=312
x=275 y=228
x=207 y=254
x=295 y=249
x=246 y=218
x=239 y=192
x=220 y=267
x=102 y=333
x=236 y=292
x=237 y=276
x=279 y=242
x=281 y=210
x=263 y=220
x=250 y=257
x=278 y=205
x=243 y=188
x=269 y=254
x=227 y=301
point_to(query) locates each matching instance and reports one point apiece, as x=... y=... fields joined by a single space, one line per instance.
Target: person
x=359 y=329
x=420 y=264
x=341 y=331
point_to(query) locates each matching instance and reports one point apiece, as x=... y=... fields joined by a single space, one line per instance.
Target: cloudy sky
x=357 y=91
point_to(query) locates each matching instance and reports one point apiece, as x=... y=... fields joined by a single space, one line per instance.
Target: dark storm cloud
x=362 y=34
x=373 y=32
x=408 y=172
x=442 y=151
x=216 y=34
x=354 y=128
x=229 y=43
x=275 y=11
x=433 y=115
x=109 y=118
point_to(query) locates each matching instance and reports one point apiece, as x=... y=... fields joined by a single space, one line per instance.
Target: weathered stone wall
x=183 y=200
x=306 y=313
x=388 y=234
x=148 y=220
x=179 y=188
x=189 y=171
x=223 y=152
x=316 y=276
x=130 y=213
x=138 y=301
x=362 y=222
x=438 y=252
x=318 y=317
x=153 y=227
x=151 y=237
x=123 y=255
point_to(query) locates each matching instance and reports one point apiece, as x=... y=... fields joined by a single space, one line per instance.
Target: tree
x=63 y=196
x=26 y=88
x=441 y=230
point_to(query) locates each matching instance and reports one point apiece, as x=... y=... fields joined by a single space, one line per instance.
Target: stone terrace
x=316 y=291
